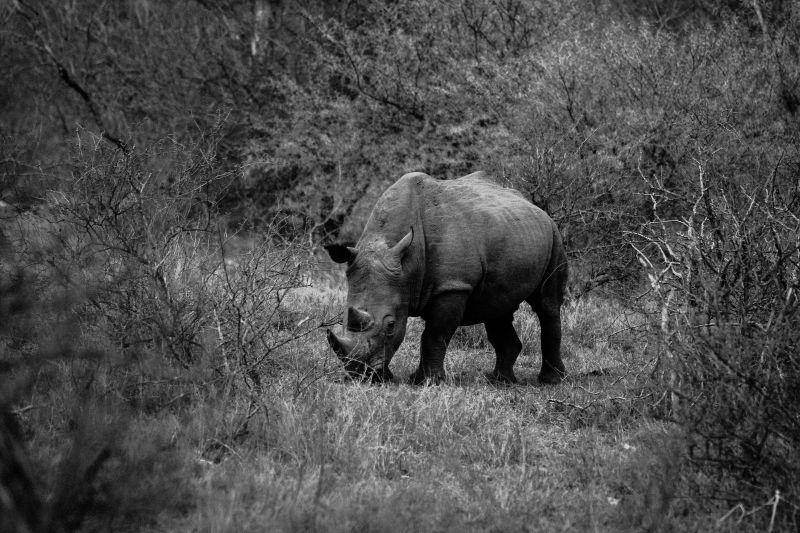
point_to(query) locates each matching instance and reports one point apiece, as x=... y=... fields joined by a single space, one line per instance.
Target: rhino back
x=471 y=234
x=491 y=241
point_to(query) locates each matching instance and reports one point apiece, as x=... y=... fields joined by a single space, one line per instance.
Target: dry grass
x=312 y=452
x=467 y=455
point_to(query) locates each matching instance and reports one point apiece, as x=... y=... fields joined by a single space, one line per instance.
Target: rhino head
x=377 y=306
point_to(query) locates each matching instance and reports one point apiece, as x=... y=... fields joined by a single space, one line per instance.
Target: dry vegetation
x=169 y=170
x=310 y=451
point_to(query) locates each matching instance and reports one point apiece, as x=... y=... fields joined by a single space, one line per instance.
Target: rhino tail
x=554 y=282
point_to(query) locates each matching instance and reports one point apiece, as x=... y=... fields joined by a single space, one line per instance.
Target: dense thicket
x=320 y=105
x=662 y=136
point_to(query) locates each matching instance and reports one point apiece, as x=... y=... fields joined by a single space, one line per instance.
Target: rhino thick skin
x=456 y=253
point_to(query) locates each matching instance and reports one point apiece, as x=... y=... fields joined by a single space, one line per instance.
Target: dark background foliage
x=662 y=136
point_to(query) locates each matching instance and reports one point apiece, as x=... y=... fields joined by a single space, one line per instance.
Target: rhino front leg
x=442 y=318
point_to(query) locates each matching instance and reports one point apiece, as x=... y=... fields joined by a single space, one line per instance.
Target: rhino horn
x=341 y=345
x=358 y=320
x=400 y=248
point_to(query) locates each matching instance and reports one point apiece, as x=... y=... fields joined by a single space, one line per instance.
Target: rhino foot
x=358 y=371
x=420 y=377
x=383 y=375
x=500 y=376
x=551 y=377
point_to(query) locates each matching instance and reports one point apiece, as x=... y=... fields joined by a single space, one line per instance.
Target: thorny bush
x=726 y=279
x=140 y=236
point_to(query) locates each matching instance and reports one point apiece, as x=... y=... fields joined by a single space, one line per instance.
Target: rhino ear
x=341 y=253
x=400 y=248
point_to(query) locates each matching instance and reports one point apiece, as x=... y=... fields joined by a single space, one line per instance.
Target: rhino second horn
x=358 y=320
x=400 y=248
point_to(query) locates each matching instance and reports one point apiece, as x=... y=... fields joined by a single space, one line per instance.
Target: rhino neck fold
x=398 y=209
x=416 y=282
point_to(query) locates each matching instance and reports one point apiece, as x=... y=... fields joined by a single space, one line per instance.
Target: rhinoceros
x=456 y=253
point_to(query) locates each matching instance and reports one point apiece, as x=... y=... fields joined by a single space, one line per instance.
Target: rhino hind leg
x=553 y=370
x=507 y=346
x=547 y=305
x=546 y=302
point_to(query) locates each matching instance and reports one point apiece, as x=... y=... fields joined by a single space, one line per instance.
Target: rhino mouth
x=373 y=370
x=360 y=371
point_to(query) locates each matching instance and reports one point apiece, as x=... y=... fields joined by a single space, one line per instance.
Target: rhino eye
x=390 y=326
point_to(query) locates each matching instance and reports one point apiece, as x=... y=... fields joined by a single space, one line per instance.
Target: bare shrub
x=63 y=473
x=131 y=232
x=134 y=287
x=725 y=278
x=252 y=321
x=139 y=235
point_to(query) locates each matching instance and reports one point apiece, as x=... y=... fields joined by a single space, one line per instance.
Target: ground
x=464 y=456
x=312 y=451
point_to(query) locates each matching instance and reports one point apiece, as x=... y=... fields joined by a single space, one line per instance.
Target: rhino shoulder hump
x=479 y=174
x=413 y=178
